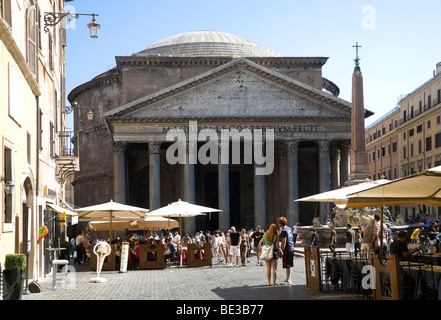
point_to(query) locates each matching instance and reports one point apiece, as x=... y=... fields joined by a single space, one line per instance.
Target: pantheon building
x=212 y=81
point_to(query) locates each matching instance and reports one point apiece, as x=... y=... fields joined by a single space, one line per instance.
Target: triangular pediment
x=240 y=88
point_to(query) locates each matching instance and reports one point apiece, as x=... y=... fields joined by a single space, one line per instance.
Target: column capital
x=345 y=148
x=323 y=146
x=120 y=147
x=292 y=146
x=154 y=147
x=335 y=153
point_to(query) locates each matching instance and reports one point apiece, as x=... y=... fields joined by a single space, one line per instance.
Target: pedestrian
x=234 y=243
x=80 y=247
x=223 y=247
x=358 y=239
x=216 y=244
x=257 y=236
x=249 y=233
x=244 y=244
x=271 y=238
x=377 y=238
x=333 y=240
x=350 y=240
x=415 y=237
x=314 y=237
x=287 y=247
x=295 y=232
x=368 y=234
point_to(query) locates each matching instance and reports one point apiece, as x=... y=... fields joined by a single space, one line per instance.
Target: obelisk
x=358 y=158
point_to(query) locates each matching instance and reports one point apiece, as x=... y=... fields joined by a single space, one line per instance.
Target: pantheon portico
x=203 y=84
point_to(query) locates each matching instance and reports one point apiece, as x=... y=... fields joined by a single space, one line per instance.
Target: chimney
x=438 y=68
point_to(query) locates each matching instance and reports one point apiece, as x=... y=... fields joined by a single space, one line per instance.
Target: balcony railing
x=67 y=148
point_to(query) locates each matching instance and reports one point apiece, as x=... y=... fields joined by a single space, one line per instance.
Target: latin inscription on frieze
x=277 y=128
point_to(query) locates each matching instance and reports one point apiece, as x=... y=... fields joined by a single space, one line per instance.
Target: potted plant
x=13 y=276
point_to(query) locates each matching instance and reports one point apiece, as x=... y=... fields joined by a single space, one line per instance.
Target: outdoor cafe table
x=431 y=258
x=424 y=275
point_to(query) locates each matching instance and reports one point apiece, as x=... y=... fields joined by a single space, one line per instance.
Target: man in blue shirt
x=287 y=247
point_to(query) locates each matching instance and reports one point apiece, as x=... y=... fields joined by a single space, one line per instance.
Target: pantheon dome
x=207 y=44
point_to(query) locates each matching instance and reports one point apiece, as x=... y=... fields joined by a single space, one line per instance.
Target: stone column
x=293 y=182
x=189 y=192
x=224 y=190
x=154 y=175
x=259 y=197
x=335 y=169
x=119 y=172
x=345 y=149
x=324 y=177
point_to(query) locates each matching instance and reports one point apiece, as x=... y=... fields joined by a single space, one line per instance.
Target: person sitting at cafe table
x=400 y=246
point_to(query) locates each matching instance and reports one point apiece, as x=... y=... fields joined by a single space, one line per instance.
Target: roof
x=207 y=44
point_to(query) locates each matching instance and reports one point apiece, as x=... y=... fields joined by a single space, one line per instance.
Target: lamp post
x=9 y=186
x=53 y=18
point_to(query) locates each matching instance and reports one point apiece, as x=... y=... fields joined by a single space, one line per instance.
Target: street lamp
x=9 y=186
x=74 y=105
x=53 y=18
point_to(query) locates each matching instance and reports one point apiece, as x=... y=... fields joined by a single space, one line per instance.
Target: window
x=428 y=143
x=438 y=140
x=383 y=151
x=420 y=106
x=373 y=155
x=29 y=147
x=52 y=140
x=411 y=149
x=429 y=101
x=50 y=52
x=428 y=124
x=438 y=120
x=31 y=33
x=396 y=123
x=404 y=153
x=395 y=173
x=394 y=146
x=419 y=128
x=383 y=130
x=411 y=132
x=420 y=147
x=7 y=171
x=6 y=11
x=40 y=126
x=404 y=135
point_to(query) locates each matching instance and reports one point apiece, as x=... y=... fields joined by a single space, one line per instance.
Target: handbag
x=267 y=253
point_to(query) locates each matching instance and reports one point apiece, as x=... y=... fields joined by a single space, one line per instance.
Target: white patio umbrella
x=111 y=211
x=143 y=224
x=423 y=188
x=340 y=196
x=181 y=209
x=153 y=223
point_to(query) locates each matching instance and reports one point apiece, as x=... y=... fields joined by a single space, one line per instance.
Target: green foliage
x=15 y=262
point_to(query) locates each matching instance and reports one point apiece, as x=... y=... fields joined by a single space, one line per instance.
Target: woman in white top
x=223 y=246
x=215 y=243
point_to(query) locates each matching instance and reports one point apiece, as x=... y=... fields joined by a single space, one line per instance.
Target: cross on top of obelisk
x=357 y=58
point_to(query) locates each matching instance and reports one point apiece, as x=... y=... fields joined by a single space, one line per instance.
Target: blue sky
x=400 y=39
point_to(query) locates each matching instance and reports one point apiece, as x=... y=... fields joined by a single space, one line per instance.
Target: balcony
x=67 y=161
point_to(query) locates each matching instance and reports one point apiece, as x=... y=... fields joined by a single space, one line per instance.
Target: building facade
x=199 y=85
x=32 y=113
x=407 y=140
